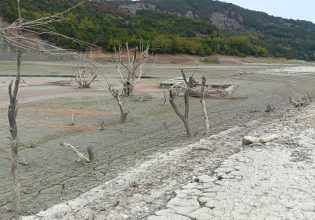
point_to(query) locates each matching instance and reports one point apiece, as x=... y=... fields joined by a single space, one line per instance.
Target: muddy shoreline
x=53 y=175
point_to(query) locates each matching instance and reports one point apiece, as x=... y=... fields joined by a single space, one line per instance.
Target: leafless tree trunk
x=116 y=95
x=204 y=108
x=131 y=73
x=184 y=117
x=12 y=114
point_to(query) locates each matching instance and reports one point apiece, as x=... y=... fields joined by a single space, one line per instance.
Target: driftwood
x=247 y=140
x=202 y=148
x=184 y=117
x=214 y=90
x=210 y=90
x=203 y=105
x=116 y=95
x=75 y=150
x=131 y=73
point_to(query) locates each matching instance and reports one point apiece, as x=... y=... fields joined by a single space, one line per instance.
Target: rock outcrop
x=223 y=21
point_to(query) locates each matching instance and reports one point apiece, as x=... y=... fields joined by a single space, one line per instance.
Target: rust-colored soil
x=65 y=112
x=76 y=127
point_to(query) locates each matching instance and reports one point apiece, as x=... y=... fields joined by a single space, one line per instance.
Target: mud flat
x=51 y=174
x=214 y=178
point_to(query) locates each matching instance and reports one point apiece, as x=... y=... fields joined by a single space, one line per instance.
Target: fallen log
x=247 y=140
x=75 y=150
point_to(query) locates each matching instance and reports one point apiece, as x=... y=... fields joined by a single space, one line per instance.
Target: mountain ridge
x=202 y=27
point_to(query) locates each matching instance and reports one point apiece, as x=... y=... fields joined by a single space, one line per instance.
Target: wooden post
x=203 y=105
x=72 y=117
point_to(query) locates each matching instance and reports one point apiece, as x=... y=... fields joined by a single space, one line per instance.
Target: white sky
x=295 y=9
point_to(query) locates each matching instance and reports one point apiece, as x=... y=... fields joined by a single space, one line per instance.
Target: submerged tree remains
x=184 y=117
x=301 y=102
x=115 y=93
x=12 y=34
x=131 y=72
x=210 y=90
x=80 y=155
x=203 y=105
x=12 y=114
x=86 y=71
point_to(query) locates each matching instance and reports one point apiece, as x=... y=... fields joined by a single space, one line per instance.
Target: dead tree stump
x=203 y=105
x=116 y=95
x=184 y=117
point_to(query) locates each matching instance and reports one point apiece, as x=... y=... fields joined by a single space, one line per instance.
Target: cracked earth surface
x=198 y=181
x=274 y=181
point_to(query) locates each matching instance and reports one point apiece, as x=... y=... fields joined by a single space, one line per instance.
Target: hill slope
x=202 y=27
x=291 y=38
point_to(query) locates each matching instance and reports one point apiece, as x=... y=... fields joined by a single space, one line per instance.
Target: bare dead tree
x=132 y=71
x=203 y=105
x=86 y=71
x=115 y=93
x=12 y=114
x=12 y=34
x=184 y=117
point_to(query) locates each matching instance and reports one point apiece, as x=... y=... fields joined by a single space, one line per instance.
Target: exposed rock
x=189 y=14
x=137 y=6
x=220 y=20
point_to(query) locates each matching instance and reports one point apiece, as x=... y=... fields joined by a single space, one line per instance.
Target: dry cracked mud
x=139 y=165
x=256 y=182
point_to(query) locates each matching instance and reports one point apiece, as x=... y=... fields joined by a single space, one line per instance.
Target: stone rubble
x=259 y=183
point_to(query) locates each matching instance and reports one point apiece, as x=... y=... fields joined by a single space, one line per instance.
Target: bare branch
x=131 y=72
x=75 y=150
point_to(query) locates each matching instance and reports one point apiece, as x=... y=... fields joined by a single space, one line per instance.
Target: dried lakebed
x=266 y=181
x=50 y=173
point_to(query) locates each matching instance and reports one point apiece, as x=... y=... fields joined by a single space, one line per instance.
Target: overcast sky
x=296 y=9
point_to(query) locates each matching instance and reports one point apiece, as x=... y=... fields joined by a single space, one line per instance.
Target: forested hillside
x=108 y=24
